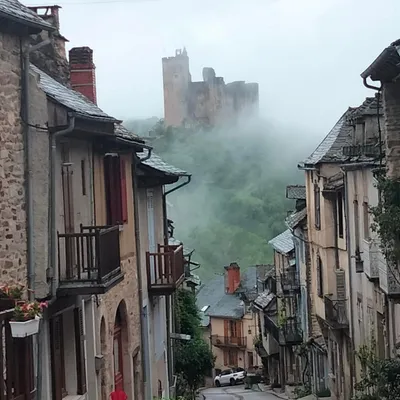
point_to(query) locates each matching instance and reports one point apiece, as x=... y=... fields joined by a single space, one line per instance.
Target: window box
x=25 y=328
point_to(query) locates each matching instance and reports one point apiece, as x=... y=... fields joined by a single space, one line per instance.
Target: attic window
x=205 y=308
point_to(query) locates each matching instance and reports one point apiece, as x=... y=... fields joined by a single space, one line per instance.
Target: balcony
x=290 y=282
x=389 y=280
x=228 y=341
x=291 y=333
x=89 y=261
x=270 y=328
x=336 y=313
x=165 y=270
x=373 y=259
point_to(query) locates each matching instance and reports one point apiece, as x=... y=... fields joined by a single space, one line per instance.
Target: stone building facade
x=209 y=102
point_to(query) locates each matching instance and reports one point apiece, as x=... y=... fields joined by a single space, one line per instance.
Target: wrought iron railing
x=229 y=341
x=336 y=313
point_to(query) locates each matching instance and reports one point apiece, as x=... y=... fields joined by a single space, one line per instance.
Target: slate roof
x=14 y=10
x=71 y=99
x=159 y=164
x=283 y=243
x=294 y=219
x=264 y=299
x=296 y=192
x=331 y=148
x=368 y=107
x=124 y=133
x=248 y=283
x=175 y=242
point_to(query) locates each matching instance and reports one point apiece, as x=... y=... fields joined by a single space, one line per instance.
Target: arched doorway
x=118 y=353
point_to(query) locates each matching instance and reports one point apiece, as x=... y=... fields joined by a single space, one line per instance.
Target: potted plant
x=26 y=318
x=9 y=294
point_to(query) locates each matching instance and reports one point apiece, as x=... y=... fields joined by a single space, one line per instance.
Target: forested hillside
x=236 y=200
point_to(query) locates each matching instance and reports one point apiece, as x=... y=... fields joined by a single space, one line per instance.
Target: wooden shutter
x=319 y=277
x=235 y=358
x=80 y=351
x=113 y=189
x=57 y=357
x=226 y=328
x=340 y=284
x=225 y=357
x=124 y=200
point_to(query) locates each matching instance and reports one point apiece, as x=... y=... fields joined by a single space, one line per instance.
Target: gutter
x=28 y=164
x=349 y=260
x=53 y=270
x=138 y=260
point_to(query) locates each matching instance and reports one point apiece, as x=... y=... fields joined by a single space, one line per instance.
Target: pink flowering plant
x=12 y=292
x=27 y=310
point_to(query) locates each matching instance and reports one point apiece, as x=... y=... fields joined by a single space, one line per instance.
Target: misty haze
x=199 y=200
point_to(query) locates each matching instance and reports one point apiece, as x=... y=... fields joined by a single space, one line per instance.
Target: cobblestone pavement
x=237 y=393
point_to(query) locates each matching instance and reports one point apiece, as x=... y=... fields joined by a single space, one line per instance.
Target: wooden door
x=118 y=357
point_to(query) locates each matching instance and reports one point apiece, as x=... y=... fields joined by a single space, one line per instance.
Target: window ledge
x=75 y=397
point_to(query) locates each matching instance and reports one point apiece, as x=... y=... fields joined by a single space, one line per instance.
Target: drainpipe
x=170 y=301
x=349 y=260
x=138 y=256
x=28 y=165
x=53 y=223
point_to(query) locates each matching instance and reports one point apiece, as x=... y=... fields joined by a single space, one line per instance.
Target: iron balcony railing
x=165 y=269
x=89 y=258
x=270 y=328
x=336 y=313
x=228 y=341
x=290 y=281
x=291 y=332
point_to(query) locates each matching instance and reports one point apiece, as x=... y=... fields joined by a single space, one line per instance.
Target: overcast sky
x=306 y=55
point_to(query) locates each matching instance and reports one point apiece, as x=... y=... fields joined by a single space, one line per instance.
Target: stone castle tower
x=209 y=102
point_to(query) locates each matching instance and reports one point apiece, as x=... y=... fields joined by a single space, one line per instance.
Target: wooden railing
x=228 y=341
x=91 y=255
x=165 y=269
x=16 y=363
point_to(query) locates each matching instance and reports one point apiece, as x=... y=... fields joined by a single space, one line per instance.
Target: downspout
x=138 y=257
x=28 y=166
x=349 y=260
x=170 y=300
x=53 y=222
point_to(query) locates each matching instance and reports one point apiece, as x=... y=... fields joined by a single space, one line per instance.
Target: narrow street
x=236 y=393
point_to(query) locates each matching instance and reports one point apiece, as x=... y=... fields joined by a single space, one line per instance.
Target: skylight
x=204 y=309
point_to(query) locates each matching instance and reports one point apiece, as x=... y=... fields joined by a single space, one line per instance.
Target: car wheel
x=217 y=384
x=233 y=382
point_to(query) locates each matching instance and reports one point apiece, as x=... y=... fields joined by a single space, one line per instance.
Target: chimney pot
x=82 y=71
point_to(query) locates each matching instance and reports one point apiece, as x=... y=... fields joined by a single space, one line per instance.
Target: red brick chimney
x=82 y=72
x=232 y=278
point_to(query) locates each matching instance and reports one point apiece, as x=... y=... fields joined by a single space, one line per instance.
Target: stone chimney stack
x=232 y=278
x=82 y=72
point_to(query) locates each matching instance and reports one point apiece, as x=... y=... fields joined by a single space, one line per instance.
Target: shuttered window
x=116 y=190
x=317 y=205
x=57 y=357
x=80 y=351
x=320 y=282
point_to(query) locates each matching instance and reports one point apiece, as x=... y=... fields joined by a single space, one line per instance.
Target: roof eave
x=376 y=70
x=38 y=26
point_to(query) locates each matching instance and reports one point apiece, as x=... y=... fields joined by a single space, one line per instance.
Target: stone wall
x=12 y=193
x=124 y=296
x=391 y=109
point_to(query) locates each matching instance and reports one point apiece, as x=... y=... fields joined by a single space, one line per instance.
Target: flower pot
x=25 y=328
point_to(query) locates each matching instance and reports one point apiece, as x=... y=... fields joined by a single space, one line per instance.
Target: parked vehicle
x=230 y=376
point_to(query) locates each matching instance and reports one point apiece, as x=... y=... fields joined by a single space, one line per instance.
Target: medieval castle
x=209 y=102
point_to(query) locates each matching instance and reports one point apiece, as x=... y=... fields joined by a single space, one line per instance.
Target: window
x=340 y=214
x=250 y=359
x=83 y=177
x=57 y=357
x=356 y=223
x=80 y=351
x=317 y=205
x=116 y=191
x=230 y=357
x=366 y=220
x=320 y=283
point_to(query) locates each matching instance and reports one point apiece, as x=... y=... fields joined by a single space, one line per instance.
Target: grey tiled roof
x=264 y=299
x=294 y=219
x=16 y=11
x=71 y=99
x=330 y=149
x=121 y=131
x=157 y=163
x=221 y=304
x=283 y=243
x=368 y=107
x=296 y=192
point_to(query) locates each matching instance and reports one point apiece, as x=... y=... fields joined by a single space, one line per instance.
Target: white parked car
x=230 y=376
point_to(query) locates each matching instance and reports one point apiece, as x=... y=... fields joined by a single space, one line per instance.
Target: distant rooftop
x=293 y=220
x=296 y=192
x=159 y=164
x=283 y=243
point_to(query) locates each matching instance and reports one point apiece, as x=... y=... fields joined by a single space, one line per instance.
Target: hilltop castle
x=209 y=102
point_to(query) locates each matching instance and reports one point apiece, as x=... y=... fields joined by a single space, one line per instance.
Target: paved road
x=236 y=393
